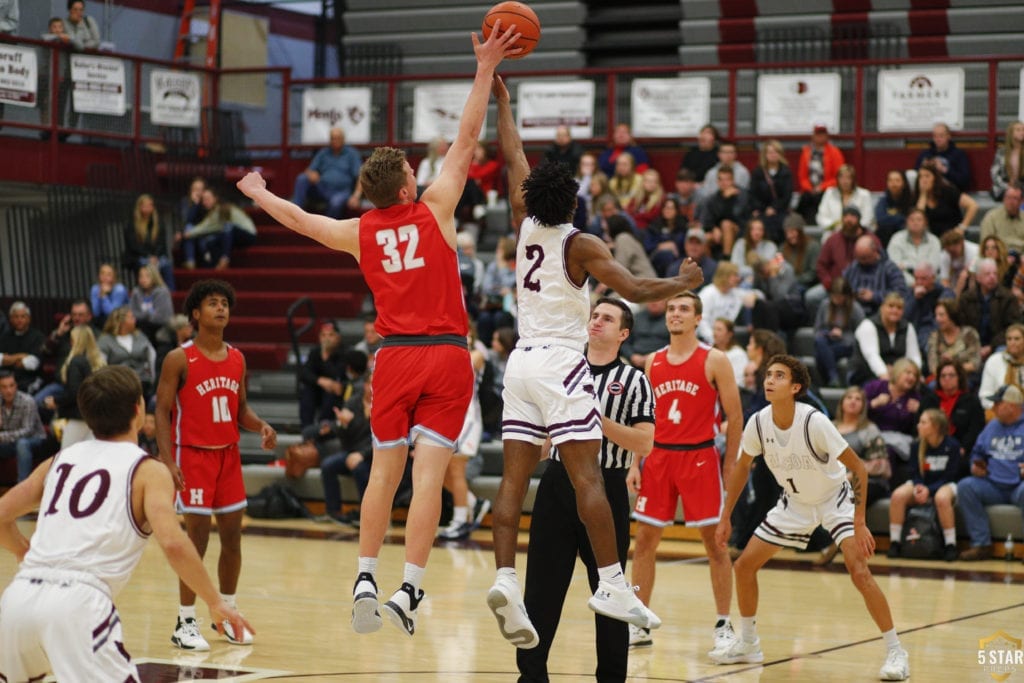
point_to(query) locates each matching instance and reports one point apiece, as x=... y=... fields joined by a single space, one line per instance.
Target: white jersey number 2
x=390 y=240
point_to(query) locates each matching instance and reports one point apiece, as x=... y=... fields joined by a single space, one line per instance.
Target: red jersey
x=412 y=272
x=686 y=405
x=206 y=410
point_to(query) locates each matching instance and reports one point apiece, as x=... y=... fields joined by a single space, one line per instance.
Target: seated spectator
x=481 y=180
x=21 y=430
x=628 y=250
x=58 y=345
x=1004 y=367
x=585 y=171
x=724 y=298
x=949 y=159
x=503 y=342
x=865 y=438
x=192 y=209
x=997 y=464
x=988 y=306
x=83 y=359
x=322 y=382
x=498 y=290
x=881 y=340
x=123 y=344
x=429 y=167
x=723 y=333
x=685 y=195
x=723 y=212
x=606 y=206
x=596 y=191
x=647 y=206
x=700 y=159
x=471 y=271
x=1006 y=263
x=371 y=338
x=771 y=189
x=649 y=333
x=843 y=194
x=960 y=405
x=107 y=294
x=834 y=324
x=696 y=248
x=819 y=165
x=892 y=207
x=957 y=261
x=622 y=142
x=727 y=156
x=920 y=311
x=332 y=177
x=946 y=207
x=1006 y=221
x=914 y=245
x=1008 y=163
x=151 y=303
x=565 y=150
x=893 y=404
x=212 y=241
x=800 y=251
x=665 y=236
x=21 y=347
x=147 y=436
x=145 y=241
x=934 y=463
x=951 y=341
x=352 y=424
x=176 y=333
x=625 y=184
x=775 y=277
x=753 y=247
x=871 y=277
x=836 y=255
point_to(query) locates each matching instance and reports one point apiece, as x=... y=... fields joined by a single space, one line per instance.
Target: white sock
x=892 y=641
x=186 y=612
x=722 y=620
x=895 y=530
x=460 y=515
x=748 y=628
x=949 y=536
x=613 y=575
x=229 y=600
x=368 y=565
x=413 y=575
x=508 y=574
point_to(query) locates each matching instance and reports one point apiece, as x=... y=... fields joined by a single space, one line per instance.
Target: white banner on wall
x=544 y=106
x=99 y=85
x=18 y=76
x=174 y=98
x=437 y=110
x=670 y=107
x=345 y=108
x=917 y=99
x=793 y=104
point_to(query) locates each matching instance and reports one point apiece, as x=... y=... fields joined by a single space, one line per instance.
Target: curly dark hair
x=550 y=193
x=205 y=288
x=797 y=371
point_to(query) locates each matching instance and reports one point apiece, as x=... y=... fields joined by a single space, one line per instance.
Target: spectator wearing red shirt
x=819 y=165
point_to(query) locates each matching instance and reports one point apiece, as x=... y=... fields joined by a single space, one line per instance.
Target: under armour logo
x=195 y=496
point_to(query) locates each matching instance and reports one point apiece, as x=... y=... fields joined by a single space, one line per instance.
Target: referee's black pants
x=556 y=536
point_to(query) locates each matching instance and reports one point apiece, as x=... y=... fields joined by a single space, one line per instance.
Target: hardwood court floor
x=296 y=587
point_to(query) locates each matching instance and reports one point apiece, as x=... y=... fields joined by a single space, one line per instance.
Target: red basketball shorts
x=667 y=476
x=213 y=480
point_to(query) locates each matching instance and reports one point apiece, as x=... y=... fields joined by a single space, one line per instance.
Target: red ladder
x=185 y=32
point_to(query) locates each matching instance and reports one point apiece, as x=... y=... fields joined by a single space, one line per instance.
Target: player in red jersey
x=200 y=402
x=423 y=379
x=691 y=382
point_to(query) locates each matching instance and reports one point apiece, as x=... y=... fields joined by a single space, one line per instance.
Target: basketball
x=523 y=17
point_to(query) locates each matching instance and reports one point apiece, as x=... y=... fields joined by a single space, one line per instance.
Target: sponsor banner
x=19 y=75
x=917 y=99
x=99 y=85
x=793 y=104
x=345 y=108
x=670 y=107
x=546 y=105
x=437 y=110
x=174 y=98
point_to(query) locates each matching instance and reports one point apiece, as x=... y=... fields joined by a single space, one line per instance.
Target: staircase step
x=251 y=280
x=266 y=329
x=263 y=355
x=272 y=384
x=343 y=305
x=278 y=235
x=282 y=414
x=279 y=256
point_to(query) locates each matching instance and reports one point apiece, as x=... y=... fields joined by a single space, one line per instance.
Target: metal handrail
x=295 y=334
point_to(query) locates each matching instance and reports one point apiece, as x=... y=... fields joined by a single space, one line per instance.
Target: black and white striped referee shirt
x=627 y=398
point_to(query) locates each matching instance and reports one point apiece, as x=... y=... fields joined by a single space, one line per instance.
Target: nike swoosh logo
x=701 y=463
x=192 y=360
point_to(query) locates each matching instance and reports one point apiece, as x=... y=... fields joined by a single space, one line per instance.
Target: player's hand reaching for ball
x=221 y=612
x=690 y=273
x=497 y=46
x=499 y=90
x=251 y=184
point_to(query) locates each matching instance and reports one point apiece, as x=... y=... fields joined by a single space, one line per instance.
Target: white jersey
x=85 y=516
x=552 y=308
x=803 y=458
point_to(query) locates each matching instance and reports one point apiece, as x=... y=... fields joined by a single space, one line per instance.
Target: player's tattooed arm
x=855 y=483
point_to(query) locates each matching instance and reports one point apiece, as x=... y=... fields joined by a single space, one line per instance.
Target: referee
x=556 y=533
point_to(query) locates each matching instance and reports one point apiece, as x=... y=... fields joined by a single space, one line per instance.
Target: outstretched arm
x=592 y=255
x=512 y=149
x=335 y=234
x=21 y=500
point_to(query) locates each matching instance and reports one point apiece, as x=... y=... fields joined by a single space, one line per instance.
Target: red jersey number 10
x=221 y=410
x=400 y=248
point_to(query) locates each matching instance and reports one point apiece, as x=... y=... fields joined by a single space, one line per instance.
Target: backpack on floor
x=921 y=538
x=276 y=501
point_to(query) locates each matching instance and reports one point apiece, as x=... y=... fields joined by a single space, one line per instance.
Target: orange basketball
x=523 y=17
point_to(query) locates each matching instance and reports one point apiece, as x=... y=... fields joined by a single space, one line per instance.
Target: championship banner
x=437 y=110
x=18 y=76
x=99 y=85
x=670 y=107
x=793 y=104
x=917 y=99
x=345 y=108
x=174 y=98
x=544 y=106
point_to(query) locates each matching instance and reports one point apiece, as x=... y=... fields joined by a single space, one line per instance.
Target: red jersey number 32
x=400 y=248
